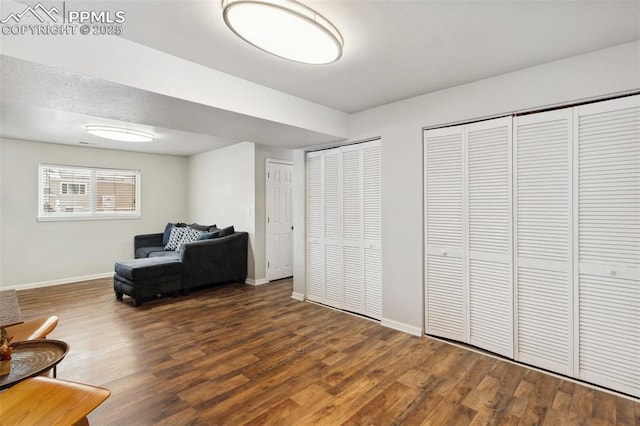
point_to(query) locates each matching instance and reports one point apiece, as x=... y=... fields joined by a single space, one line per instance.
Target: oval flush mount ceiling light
x=119 y=133
x=284 y=28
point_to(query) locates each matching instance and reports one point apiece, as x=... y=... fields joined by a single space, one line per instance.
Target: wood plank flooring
x=237 y=354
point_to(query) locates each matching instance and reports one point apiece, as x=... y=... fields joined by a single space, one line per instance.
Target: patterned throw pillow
x=174 y=238
x=190 y=235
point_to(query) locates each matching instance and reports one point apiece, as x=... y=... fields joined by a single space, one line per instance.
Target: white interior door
x=279 y=225
x=344 y=224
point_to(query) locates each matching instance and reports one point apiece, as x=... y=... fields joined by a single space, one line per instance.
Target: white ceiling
x=394 y=50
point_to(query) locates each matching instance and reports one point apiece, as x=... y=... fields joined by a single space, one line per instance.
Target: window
x=73 y=188
x=76 y=193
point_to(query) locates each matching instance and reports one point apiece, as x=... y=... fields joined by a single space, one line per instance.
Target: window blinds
x=83 y=192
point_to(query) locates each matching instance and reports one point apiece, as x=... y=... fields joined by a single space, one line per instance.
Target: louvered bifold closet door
x=608 y=158
x=489 y=235
x=543 y=240
x=315 y=227
x=445 y=290
x=332 y=229
x=372 y=228
x=352 y=271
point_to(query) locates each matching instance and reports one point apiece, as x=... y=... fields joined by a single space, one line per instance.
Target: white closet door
x=332 y=229
x=489 y=235
x=344 y=218
x=353 y=280
x=445 y=304
x=315 y=227
x=608 y=159
x=543 y=240
x=372 y=228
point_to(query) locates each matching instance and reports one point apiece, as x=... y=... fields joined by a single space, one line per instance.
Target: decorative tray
x=32 y=358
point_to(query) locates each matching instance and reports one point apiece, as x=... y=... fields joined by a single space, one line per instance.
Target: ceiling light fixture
x=119 y=133
x=284 y=28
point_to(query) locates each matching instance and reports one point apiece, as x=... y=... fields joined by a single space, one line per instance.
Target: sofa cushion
x=144 y=269
x=204 y=228
x=209 y=235
x=227 y=231
x=146 y=251
x=174 y=238
x=165 y=253
x=167 y=232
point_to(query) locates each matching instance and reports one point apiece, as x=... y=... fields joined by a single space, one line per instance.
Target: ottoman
x=144 y=279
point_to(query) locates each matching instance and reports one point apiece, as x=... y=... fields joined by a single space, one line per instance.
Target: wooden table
x=9 y=309
x=32 y=358
x=46 y=401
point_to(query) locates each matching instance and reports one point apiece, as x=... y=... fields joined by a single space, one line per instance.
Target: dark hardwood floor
x=238 y=354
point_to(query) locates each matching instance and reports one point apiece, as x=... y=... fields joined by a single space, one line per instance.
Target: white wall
x=40 y=253
x=597 y=74
x=262 y=152
x=222 y=191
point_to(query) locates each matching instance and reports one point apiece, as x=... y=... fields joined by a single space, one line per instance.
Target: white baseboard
x=405 y=328
x=297 y=296
x=60 y=281
x=259 y=281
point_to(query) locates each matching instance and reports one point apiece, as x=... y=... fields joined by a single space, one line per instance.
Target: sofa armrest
x=216 y=260
x=147 y=240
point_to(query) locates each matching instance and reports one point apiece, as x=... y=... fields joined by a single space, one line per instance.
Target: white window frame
x=47 y=216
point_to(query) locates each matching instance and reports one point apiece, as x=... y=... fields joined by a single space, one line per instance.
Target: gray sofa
x=221 y=258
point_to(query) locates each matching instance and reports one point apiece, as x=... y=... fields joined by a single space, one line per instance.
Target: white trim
x=258 y=281
x=400 y=326
x=60 y=281
x=297 y=296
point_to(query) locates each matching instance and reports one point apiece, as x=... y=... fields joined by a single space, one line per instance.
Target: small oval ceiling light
x=119 y=133
x=284 y=28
